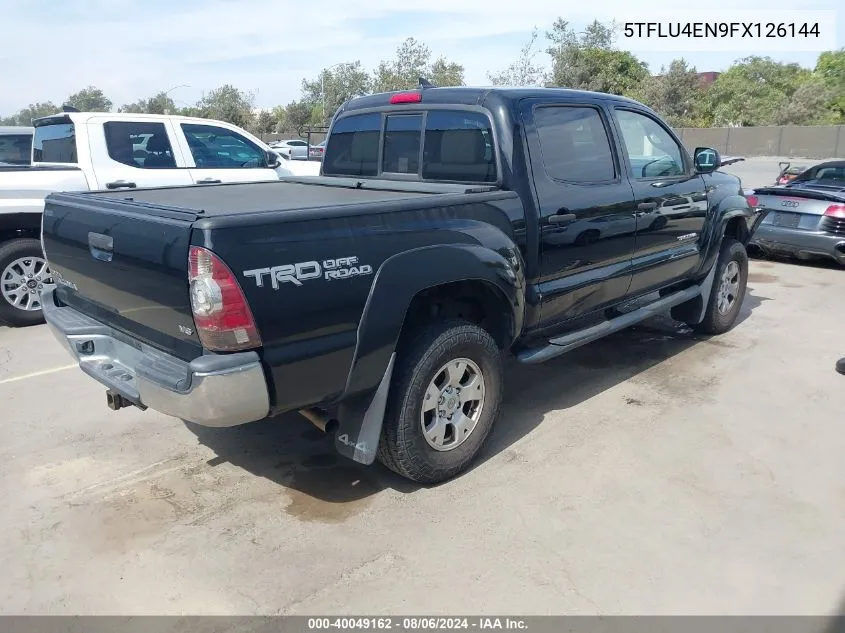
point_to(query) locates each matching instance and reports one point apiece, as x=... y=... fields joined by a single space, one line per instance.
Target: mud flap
x=693 y=311
x=361 y=418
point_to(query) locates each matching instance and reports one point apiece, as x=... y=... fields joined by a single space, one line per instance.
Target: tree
x=830 y=68
x=444 y=73
x=297 y=115
x=588 y=61
x=160 y=103
x=333 y=87
x=754 y=90
x=676 y=94
x=229 y=104
x=808 y=105
x=264 y=123
x=524 y=71
x=32 y=111
x=90 y=99
x=280 y=116
x=411 y=62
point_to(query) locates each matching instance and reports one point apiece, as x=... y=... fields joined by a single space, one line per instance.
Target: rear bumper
x=799 y=242
x=212 y=390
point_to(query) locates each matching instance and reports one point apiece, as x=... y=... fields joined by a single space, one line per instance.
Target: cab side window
x=574 y=144
x=219 y=148
x=652 y=152
x=139 y=144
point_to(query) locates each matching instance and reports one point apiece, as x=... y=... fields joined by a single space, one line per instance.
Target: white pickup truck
x=15 y=145
x=86 y=151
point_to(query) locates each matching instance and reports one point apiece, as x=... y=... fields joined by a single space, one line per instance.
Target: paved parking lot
x=651 y=472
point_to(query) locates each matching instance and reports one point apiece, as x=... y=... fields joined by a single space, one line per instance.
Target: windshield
x=54 y=141
x=15 y=149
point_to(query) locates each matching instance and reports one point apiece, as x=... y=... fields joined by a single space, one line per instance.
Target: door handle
x=562 y=218
x=120 y=184
x=647 y=206
x=209 y=181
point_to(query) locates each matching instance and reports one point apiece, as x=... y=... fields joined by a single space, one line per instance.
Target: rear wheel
x=728 y=292
x=23 y=276
x=443 y=402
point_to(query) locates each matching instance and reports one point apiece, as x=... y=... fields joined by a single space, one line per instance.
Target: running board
x=569 y=342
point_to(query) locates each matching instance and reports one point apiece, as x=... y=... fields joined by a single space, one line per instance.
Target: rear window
x=458 y=147
x=442 y=145
x=402 y=137
x=54 y=142
x=15 y=149
x=353 y=145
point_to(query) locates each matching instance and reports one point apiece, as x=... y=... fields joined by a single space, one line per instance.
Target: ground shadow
x=288 y=450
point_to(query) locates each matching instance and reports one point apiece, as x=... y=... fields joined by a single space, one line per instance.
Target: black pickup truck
x=448 y=227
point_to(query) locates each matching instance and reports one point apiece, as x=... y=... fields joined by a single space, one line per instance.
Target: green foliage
x=229 y=104
x=830 y=69
x=588 y=61
x=160 y=103
x=90 y=99
x=524 y=71
x=333 y=87
x=676 y=94
x=754 y=91
x=444 y=73
x=412 y=61
x=297 y=115
x=264 y=123
x=32 y=111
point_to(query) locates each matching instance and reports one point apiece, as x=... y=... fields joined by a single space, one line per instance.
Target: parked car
x=294 y=149
x=15 y=145
x=806 y=217
x=78 y=151
x=788 y=172
x=316 y=152
x=380 y=298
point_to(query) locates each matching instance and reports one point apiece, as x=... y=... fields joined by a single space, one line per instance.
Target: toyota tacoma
x=447 y=228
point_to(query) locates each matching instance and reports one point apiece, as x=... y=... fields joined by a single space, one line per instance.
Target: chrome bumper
x=212 y=390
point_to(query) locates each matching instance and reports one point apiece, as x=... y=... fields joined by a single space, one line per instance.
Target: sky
x=133 y=49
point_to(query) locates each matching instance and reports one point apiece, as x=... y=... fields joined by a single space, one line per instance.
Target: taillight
x=753 y=201
x=406 y=97
x=223 y=318
x=836 y=211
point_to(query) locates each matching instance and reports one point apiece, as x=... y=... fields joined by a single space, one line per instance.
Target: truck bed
x=285 y=195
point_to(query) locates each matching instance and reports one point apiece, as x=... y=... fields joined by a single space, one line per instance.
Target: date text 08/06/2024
x=422 y=623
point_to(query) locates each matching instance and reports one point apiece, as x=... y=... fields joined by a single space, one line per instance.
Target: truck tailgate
x=125 y=265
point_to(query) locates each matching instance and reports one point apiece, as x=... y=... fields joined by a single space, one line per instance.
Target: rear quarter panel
x=310 y=329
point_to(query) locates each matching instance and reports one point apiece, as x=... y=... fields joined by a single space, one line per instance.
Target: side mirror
x=706 y=159
x=272 y=159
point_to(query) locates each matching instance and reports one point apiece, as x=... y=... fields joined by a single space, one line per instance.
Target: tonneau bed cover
x=286 y=194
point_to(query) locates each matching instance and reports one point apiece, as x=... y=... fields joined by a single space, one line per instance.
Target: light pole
x=167 y=92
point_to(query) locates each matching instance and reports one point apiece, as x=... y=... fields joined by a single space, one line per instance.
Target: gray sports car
x=807 y=216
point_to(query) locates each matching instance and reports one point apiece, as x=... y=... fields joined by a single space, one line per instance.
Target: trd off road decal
x=328 y=269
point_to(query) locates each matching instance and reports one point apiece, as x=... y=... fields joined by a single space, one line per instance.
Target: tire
x=426 y=362
x=18 y=259
x=721 y=313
